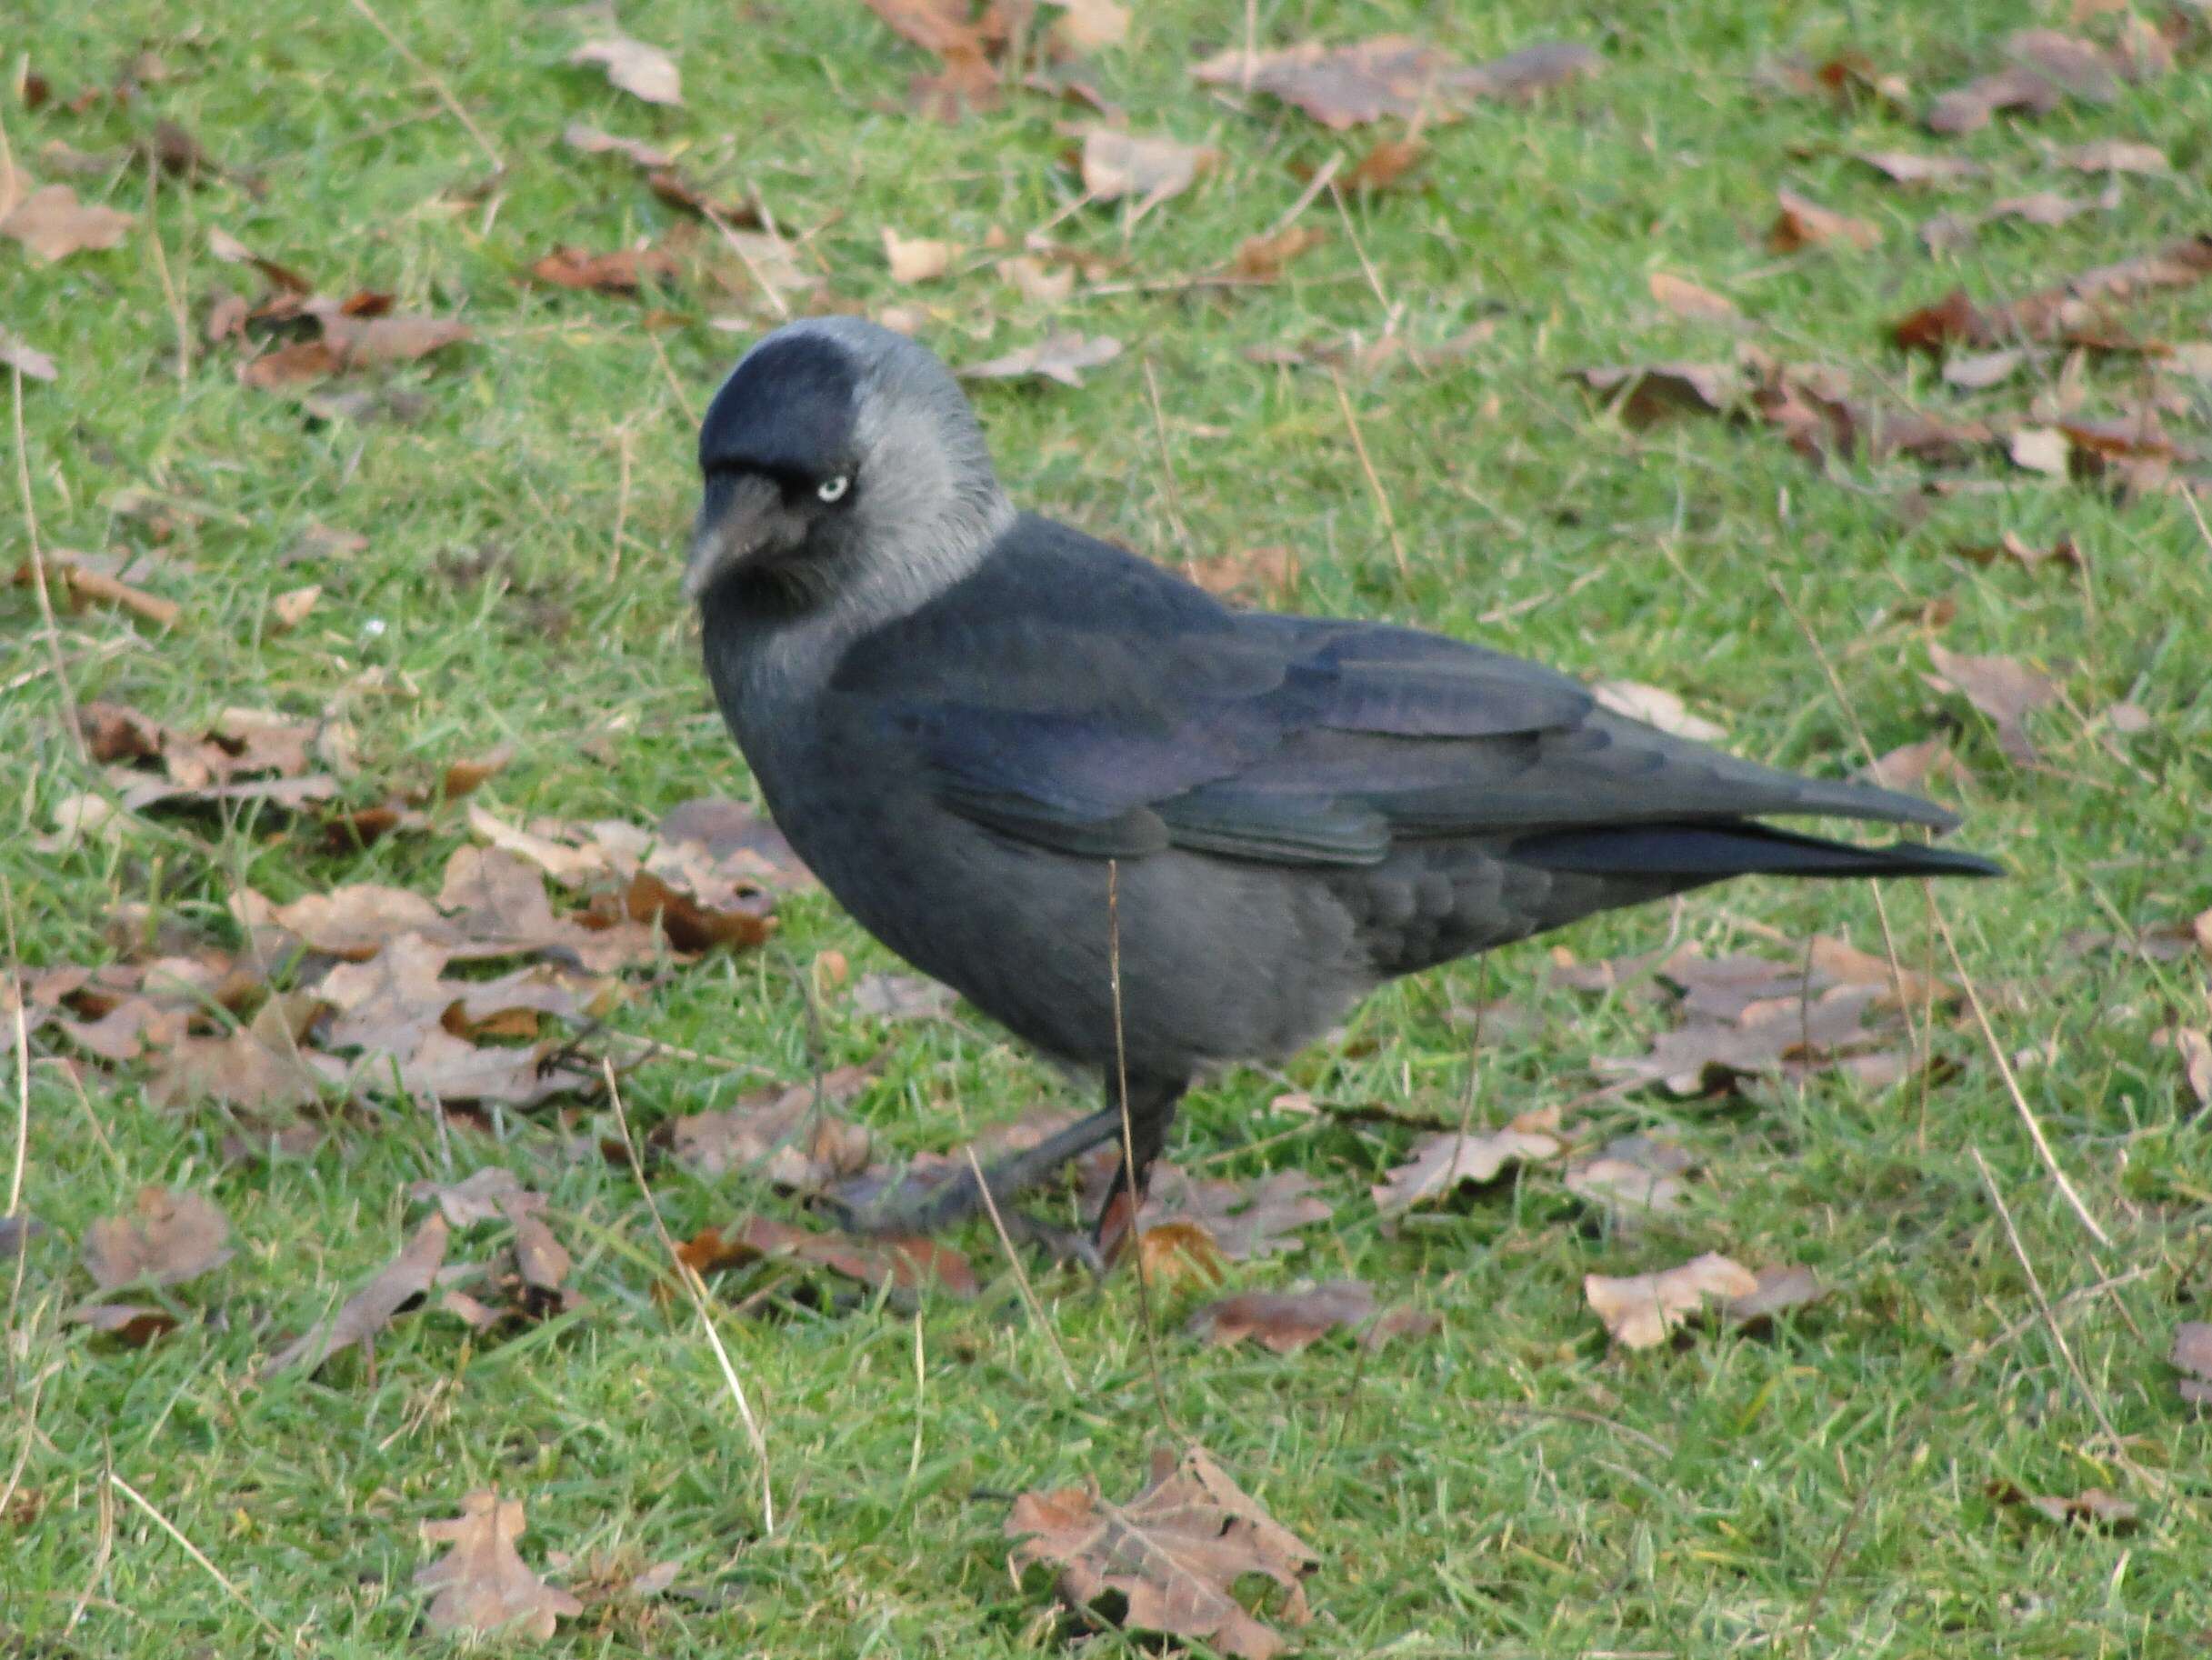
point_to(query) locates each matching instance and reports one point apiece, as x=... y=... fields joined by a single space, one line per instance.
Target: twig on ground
x=1021 y=1274
x=198 y=1557
x=75 y=730
x=1129 y=1193
x=1375 y=483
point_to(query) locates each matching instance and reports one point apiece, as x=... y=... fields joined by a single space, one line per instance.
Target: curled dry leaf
x=1447 y=1161
x=1179 y=1253
x=2002 y=688
x=54 y=225
x=788 y=1135
x=1173 y=1554
x=1244 y=1219
x=625 y=271
x=1391 y=75
x=642 y=71
x=1656 y=707
x=1648 y=392
x=1284 y=1321
x=1686 y=299
x=2195 y=1047
x=482 y=1583
x=402 y=1280
x=175 y=1237
x=906 y=1263
x=2091 y=1507
x=582 y=135
x=1642 y=1309
x=1061 y=357
x=1907 y=167
x=917 y=259
x=1804 y=224
x=2192 y=1357
x=1116 y=164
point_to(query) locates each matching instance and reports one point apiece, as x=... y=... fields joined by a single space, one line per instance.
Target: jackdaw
x=1016 y=754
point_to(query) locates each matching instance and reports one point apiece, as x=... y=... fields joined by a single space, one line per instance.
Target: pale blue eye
x=834 y=489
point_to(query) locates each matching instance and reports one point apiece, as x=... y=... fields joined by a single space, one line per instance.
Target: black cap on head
x=787 y=410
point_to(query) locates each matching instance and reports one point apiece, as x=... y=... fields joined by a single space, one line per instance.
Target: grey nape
x=967 y=719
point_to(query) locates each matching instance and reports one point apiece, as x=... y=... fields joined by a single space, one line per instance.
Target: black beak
x=740 y=517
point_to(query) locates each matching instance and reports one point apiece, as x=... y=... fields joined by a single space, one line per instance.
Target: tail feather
x=1710 y=852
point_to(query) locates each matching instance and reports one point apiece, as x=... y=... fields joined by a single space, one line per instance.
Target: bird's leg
x=1152 y=1108
x=957 y=1200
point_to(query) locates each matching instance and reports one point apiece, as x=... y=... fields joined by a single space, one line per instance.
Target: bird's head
x=840 y=462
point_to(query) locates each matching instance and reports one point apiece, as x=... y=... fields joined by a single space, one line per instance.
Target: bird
x=1151 y=834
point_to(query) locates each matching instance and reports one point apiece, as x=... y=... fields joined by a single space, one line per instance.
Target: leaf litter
x=482 y=1583
x=1169 y=1559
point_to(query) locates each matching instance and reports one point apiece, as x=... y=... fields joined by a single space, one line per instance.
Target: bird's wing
x=1155 y=718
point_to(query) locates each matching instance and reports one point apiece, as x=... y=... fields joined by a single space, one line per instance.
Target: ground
x=1510 y=1485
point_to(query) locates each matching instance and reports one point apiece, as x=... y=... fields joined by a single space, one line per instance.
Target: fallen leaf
x=966 y=78
x=1178 y=1252
x=786 y=1136
x=28 y=360
x=1642 y=1309
x=1979 y=371
x=1090 y=25
x=407 y=1276
x=1631 y=1177
x=1391 y=75
x=176 y=1236
x=2011 y=546
x=898 y=997
x=1905 y=168
x=2002 y=688
x=2195 y=1047
x=289 y=609
x=1968 y=108
x=1778 y=1289
x=1060 y=357
x=1172 y=1554
x=54 y=225
x=1261 y=259
x=643 y=71
x=1774 y=1036
x=260 y=1067
x=481 y=1196
x=1656 y=707
x=1805 y=224
x=1648 y=392
x=2078 y=67
x=1847 y=964
x=915 y=260
x=1384 y=166
x=1686 y=299
x=906 y=1261
x=623 y=271
x=1284 y=1321
x=1244 y=1220
x=1116 y=164
x=1039 y=283
x=2091 y=1507
x=1393 y=1324
x=2040 y=449
x=1446 y=1161
x=482 y=1581
x=134 y=1324
x=2116 y=155
x=2192 y=1357
x=581 y=136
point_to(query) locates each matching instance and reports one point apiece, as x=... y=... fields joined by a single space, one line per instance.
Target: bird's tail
x=1710 y=852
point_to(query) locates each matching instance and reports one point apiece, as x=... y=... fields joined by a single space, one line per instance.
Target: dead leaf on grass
x=582 y=135
x=1641 y=1310
x=1778 y=1289
x=1655 y=706
x=1687 y=300
x=482 y=1583
x=1245 y=1220
x=54 y=225
x=1391 y=75
x=901 y=997
x=1061 y=357
x=917 y=259
x=2091 y=1507
x=907 y=1263
x=1262 y=259
x=2192 y=1357
x=1447 y=1161
x=1969 y=108
x=1085 y=27
x=1172 y=1554
x=643 y=71
x=1805 y=224
x=1284 y=1321
x=1647 y=392
x=176 y=1236
x=2003 y=688
x=1907 y=167
x=787 y=1135
x=966 y=79
x=1116 y=164
x=406 y=1277
x=2116 y=155
x=626 y=271
x=28 y=360
x=1633 y=1176
x=1267 y=572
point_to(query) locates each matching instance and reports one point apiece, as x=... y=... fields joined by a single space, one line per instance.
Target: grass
x=1508 y=1487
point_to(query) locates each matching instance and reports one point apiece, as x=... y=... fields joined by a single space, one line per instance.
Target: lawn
x=494 y=527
